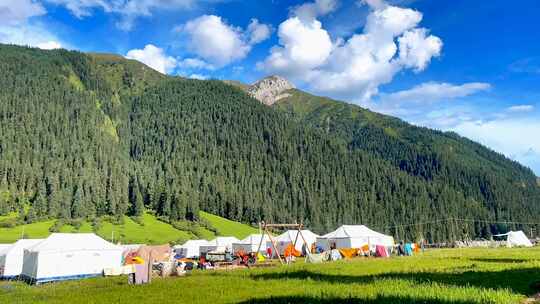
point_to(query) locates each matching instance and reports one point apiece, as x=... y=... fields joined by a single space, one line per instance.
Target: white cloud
x=304 y=46
x=195 y=64
x=198 y=76
x=15 y=12
x=29 y=35
x=416 y=49
x=430 y=92
x=516 y=138
x=258 y=32
x=219 y=43
x=309 y=11
x=128 y=10
x=83 y=8
x=49 y=45
x=355 y=68
x=521 y=108
x=153 y=57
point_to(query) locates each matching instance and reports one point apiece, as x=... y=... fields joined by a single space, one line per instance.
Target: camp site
x=269 y=151
x=282 y=263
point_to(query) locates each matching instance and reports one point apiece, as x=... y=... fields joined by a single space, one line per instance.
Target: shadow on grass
x=515 y=280
x=504 y=260
x=319 y=300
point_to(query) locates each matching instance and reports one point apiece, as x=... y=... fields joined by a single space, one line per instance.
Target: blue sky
x=470 y=66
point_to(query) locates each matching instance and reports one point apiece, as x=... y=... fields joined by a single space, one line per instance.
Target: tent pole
x=275 y=248
x=262 y=236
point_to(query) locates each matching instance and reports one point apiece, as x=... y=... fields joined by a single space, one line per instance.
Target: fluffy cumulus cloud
x=213 y=40
x=304 y=47
x=258 y=32
x=153 y=57
x=354 y=68
x=14 y=12
x=311 y=10
x=17 y=25
x=127 y=10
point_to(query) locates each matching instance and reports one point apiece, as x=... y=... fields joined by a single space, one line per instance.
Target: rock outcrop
x=270 y=89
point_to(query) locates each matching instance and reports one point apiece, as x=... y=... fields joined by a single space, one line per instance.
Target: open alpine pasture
x=501 y=275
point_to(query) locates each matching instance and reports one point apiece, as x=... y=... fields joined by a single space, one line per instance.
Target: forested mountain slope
x=444 y=157
x=84 y=136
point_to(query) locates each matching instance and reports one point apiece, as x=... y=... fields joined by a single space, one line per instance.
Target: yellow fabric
x=348 y=252
x=260 y=257
x=137 y=260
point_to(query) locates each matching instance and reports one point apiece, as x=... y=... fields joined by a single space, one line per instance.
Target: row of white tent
x=61 y=256
x=346 y=236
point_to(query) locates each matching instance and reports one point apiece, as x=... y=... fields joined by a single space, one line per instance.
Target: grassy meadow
x=147 y=230
x=436 y=276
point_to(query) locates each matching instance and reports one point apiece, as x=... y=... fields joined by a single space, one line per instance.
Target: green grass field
x=152 y=231
x=437 y=276
x=228 y=227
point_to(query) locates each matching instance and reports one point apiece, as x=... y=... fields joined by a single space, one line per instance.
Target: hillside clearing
x=437 y=276
x=150 y=230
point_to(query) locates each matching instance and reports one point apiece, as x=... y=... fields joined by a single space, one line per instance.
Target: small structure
x=293 y=237
x=67 y=256
x=219 y=244
x=354 y=236
x=252 y=243
x=516 y=238
x=289 y=247
x=11 y=258
x=190 y=249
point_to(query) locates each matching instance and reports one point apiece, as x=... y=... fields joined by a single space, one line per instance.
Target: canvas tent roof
x=291 y=236
x=516 y=238
x=352 y=231
x=192 y=243
x=73 y=241
x=355 y=235
x=222 y=241
x=66 y=256
x=255 y=239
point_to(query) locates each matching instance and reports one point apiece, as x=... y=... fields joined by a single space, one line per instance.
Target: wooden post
x=275 y=248
x=262 y=236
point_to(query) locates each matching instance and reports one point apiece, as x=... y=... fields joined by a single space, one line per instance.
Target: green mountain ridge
x=85 y=136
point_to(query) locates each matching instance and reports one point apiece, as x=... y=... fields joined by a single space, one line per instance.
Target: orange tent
x=348 y=252
x=291 y=251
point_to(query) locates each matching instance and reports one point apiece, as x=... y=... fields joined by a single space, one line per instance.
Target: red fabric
x=380 y=251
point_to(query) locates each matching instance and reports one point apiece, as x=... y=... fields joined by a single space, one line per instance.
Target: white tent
x=66 y=256
x=219 y=244
x=290 y=236
x=354 y=236
x=190 y=249
x=11 y=258
x=4 y=246
x=251 y=243
x=516 y=238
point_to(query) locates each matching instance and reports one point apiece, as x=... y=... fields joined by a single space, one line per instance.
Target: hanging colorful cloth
x=260 y=257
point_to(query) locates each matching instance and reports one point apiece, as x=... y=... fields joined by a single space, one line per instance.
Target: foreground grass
x=437 y=276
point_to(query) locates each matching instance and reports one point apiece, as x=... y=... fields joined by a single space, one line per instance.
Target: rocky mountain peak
x=270 y=89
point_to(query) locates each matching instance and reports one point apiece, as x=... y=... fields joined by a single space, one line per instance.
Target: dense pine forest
x=91 y=135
